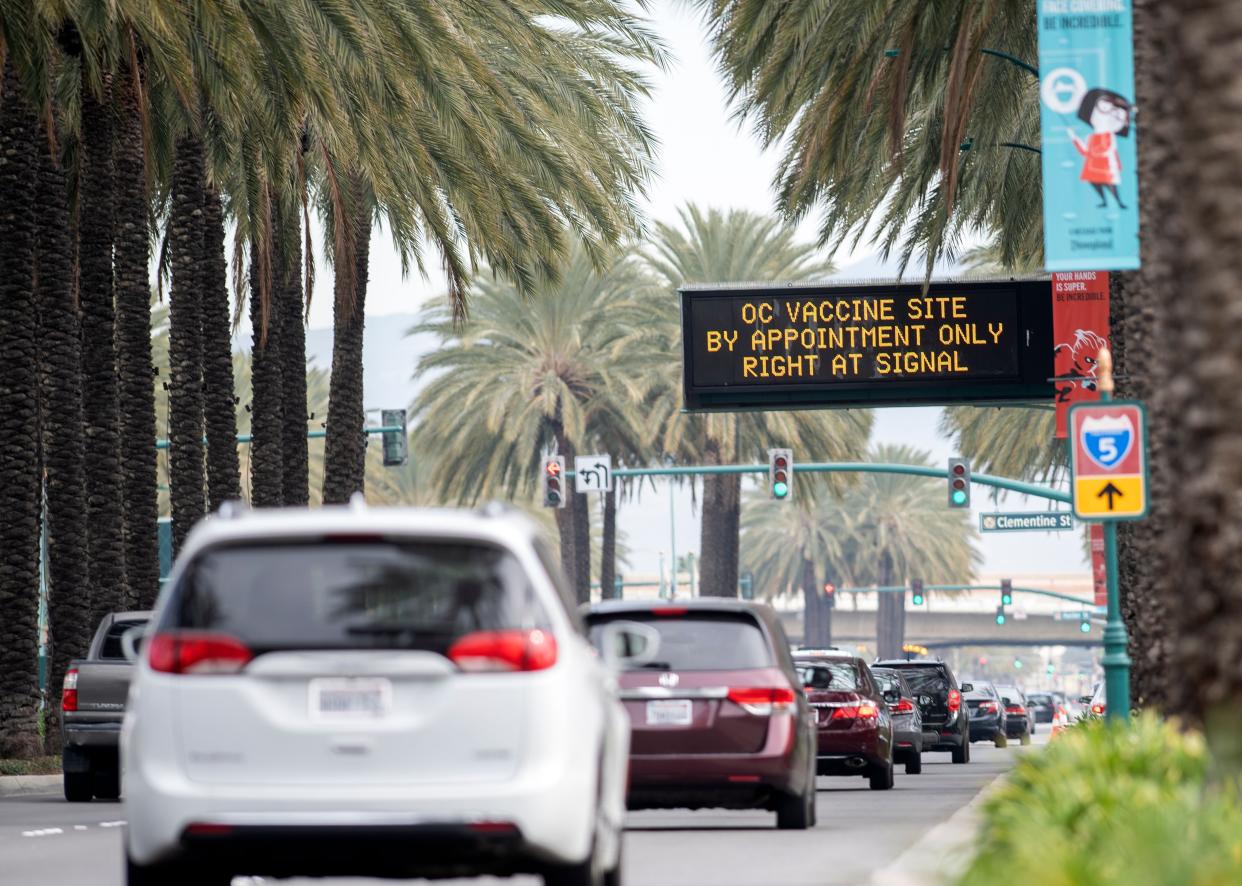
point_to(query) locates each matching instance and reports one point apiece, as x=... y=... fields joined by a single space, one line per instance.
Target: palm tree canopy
x=1011 y=441
x=895 y=117
x=887 y=519
x=517 y=365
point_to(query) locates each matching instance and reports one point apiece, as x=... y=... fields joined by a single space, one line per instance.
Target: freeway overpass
x=939 y=630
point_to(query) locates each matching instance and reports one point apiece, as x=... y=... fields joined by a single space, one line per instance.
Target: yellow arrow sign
x=1124 y=496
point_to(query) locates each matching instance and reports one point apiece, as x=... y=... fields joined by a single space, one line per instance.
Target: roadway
x=44 y=840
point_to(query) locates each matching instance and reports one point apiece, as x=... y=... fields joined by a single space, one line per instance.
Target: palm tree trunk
x=810 y=605
x=825 y=619
x=567 y=519
x=718 y=538
x=608 y=550
x=100 y=404
x=293 y=361
x=890 y=614
x=345 y=447
x=1200 y=401
x=60 y=361
x=19 y=436
x=580 y=513
x=135 y=371
x=187 y=478
x=267 y=387
x=219 y=408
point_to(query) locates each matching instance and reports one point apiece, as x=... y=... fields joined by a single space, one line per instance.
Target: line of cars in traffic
x=401 y=693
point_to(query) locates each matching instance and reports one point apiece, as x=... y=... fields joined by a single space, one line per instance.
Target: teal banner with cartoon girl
x=1089 y=137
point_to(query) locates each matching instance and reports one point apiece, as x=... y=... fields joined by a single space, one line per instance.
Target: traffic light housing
x=830 y=594
x=396 y=443
x=916 y=591
x=1006 y=592
x=1017 y=663
x=780 y=473
x=553 y=481
x=1000 y=615
x=959 y=483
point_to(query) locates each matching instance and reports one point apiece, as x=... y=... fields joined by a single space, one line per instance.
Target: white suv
x=384 y=692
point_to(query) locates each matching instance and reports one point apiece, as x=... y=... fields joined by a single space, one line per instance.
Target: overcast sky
x=704 y=157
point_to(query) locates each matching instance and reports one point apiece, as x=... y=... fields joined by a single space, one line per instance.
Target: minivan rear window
x=356 y=594
x=700 y=641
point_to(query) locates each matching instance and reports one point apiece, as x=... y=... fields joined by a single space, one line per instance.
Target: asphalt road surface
x=45 y=841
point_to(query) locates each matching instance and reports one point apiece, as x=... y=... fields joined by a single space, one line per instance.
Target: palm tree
x=894 y=117
x=105 y=512
x=522 y=378
x=720 y=247
x=294 y=450
x=219 y=408
x=133 y=337
x=19 y=444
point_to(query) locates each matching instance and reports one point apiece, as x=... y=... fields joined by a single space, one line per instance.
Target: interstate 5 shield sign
x=1108 y=460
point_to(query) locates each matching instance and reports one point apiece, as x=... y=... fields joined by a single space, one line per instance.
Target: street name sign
x=593 y=473
x=1108 y=460
x=1052 y=521
x=793 y=346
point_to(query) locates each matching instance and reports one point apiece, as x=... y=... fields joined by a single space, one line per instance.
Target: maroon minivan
x=717 y=711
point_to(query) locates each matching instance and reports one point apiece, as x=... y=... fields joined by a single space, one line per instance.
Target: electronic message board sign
x=785 y=347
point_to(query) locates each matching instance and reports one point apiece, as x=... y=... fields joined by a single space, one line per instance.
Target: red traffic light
x=829 y=589
x=959 y=483
x=959 y=469
x=780 y=462
x=552 y=468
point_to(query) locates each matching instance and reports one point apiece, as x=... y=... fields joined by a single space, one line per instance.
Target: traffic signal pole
x=1116 y=662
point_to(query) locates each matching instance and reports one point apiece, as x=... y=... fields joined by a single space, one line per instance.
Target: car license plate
x=346 y=698
x=670 y=712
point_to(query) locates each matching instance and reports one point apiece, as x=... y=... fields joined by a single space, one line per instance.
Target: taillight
x=955 y=701
x=69 y=691
x=905 y=706
x=1098 y=709
x=987 y=707
x=1015 y=709
x=197 y=652
x=763 y=701
x=864 y=711
x=513 y=650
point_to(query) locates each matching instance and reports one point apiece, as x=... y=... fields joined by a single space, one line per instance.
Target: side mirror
x=628 y=644
x=892 y=697
x=131 y=642
x=967 y=687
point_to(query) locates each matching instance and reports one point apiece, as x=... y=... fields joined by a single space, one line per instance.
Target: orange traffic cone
x=1060 y=721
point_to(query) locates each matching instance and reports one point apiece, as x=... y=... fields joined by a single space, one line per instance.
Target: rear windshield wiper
x=657 y=665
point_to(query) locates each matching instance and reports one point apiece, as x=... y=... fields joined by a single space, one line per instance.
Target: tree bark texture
x=1201 y=396
x=811 y=612
x=580 y=512
x=100 y=403
x=135 y=371
x=293 y=360
x=890 y=615
x=267 y=413
x=19 y=441
x=718 y=538
x=608 y=550
x=71 y=616
x=219 y=408
x=345 y=447
x=1141 y=355
x=186 y=469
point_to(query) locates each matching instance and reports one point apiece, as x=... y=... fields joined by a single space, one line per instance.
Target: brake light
x=763 y=701
x=955 y=701
x=905 y=706
x=1015 y=709
x=69 y=691
x=987 y=707
x=864 y=711
x=1098 y=709
x=513 y=650
x=197 y=652
x=670 y=610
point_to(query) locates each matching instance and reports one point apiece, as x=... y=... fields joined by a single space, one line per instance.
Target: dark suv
x=853 y=721
x=718 y=716
x=940 y=699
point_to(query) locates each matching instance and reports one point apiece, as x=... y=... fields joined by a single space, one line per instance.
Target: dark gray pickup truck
x=92 y=705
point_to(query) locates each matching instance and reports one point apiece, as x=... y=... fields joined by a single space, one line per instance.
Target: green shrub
x=1111 y=804
x=37 y=766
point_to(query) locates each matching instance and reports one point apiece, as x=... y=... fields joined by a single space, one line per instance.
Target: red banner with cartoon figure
x=1079 y=331
x=1099 y=565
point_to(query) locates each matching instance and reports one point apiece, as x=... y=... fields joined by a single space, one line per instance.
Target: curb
x=16 y=785
x=942 y=853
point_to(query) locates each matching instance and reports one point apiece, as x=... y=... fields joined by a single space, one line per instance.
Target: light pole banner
x=1088 y=135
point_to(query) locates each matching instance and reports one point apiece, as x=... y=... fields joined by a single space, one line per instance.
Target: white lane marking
x=51 y=832
x=42 y=832
x=79 y=827
x=112 y=824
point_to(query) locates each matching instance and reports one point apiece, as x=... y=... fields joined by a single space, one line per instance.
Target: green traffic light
x=1017 y=663
x=1000 y=619
x=780 y=490
x=918 y=599
x=1085 y=627
x=959 y=497
x=1007 y=599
